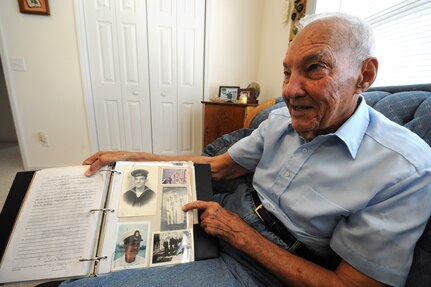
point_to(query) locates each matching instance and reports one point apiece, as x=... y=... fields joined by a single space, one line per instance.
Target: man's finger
x=97 y=161
x=198 y=204
x=93 y=169
x=91 y=159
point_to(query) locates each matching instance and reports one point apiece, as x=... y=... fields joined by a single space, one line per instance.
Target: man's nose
x=293 y=87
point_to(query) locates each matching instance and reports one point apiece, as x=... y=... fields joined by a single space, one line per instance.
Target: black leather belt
x=272 y=222
x=329 y=261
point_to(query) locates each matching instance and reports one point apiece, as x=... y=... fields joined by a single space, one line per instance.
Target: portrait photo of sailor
x=138 y=197
x=140 y=194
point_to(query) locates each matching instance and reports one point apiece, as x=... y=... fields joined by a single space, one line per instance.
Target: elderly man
x=332 y=178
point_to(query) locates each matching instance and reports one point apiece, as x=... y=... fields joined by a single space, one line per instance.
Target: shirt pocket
x=315 y=213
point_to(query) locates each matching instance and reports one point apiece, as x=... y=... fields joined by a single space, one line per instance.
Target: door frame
x=8 y=77
x=85 y=74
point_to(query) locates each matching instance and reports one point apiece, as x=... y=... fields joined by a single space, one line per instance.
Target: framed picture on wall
x=39 y=7
x=228 y=93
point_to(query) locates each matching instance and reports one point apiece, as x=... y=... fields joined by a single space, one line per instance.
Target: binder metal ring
x=104 y=210
x=97 y=258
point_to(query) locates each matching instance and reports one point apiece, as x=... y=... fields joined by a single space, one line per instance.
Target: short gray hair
x=362 y=34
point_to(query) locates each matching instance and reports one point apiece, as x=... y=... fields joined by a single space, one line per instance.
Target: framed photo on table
x=39 y=7
x=228 y=93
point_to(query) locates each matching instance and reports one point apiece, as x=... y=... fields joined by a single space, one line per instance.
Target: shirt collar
x=353 y=130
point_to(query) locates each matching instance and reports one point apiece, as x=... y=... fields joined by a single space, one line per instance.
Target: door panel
x=112 y=124
x=117 y=44
x=167 y=140
x=106 y=51
x=133 y=119
x=188 y=128
x=176 y=43
x=133 y=54
x=162 y=52
x=131 y=58
x=190 y=29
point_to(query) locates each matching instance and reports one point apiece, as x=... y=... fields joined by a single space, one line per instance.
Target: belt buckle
x=256 y=210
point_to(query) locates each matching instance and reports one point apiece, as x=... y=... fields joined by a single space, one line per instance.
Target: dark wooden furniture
x=223 y=117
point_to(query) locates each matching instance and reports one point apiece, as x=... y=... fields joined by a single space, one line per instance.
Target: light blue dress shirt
x=364 y=191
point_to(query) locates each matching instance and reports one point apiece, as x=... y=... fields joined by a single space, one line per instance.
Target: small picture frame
x=228 y=93
x=250 y=94
x=39 y=7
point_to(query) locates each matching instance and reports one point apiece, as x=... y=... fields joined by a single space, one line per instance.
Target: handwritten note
x=55 y=227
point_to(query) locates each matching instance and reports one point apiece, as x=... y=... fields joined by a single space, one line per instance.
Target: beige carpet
x=10 y=163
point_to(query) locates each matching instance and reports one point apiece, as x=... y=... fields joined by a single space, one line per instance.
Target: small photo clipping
x=173 y=217
x=174 y=176
x=172 y=247
x=131 y=246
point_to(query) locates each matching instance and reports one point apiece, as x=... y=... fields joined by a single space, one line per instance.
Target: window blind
x=403 y=36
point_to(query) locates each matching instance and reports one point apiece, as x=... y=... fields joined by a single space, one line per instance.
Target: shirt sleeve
x=387 y=228
x=247 y=152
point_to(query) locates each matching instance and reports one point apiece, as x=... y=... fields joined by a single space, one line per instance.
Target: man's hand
x=222 y=223
x=293 y=270
x=102 y=158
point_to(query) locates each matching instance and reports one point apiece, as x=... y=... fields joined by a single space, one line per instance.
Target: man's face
x=320 y=79
x=131 y=250
x=140 y=181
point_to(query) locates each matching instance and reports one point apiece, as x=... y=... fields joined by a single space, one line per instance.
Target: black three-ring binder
x=206 y=246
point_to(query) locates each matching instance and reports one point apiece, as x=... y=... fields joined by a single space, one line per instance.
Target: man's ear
x=368 y=74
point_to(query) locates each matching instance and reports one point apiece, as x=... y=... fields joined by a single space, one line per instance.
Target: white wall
x=246 y=41
x=233 y=34
x=48 y=96
x=273 y=46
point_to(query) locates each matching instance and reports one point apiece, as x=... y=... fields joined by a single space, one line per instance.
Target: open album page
x=55 y=228
x=148 y=226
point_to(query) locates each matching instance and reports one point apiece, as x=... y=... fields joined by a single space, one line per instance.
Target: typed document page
x=56 y=228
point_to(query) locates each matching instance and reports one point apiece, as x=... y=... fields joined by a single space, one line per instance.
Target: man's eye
x=286 y=78
x=317 y=70
x=315 y=67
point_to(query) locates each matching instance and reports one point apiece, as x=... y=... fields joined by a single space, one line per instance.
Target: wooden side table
x=223 y=118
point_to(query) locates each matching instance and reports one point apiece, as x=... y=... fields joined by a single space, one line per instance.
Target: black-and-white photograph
x=131 y=246
x=172 y=247
x=34 y=3
x=173 y=217
x=174 y=176
x=228 y=93
x=138 y=197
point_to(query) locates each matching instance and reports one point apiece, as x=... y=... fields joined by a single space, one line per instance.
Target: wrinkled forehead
x=327 y=35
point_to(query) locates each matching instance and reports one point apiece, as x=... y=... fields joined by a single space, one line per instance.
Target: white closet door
x=176 y=43
x=117 y=45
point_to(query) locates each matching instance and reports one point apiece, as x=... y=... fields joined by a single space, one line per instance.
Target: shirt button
x=286 y=174
x=304 y=150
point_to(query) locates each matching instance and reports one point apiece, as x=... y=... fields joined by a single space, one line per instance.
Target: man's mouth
x=301 y=108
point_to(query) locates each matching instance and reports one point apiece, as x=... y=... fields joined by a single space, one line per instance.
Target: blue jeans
x=232 y=268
